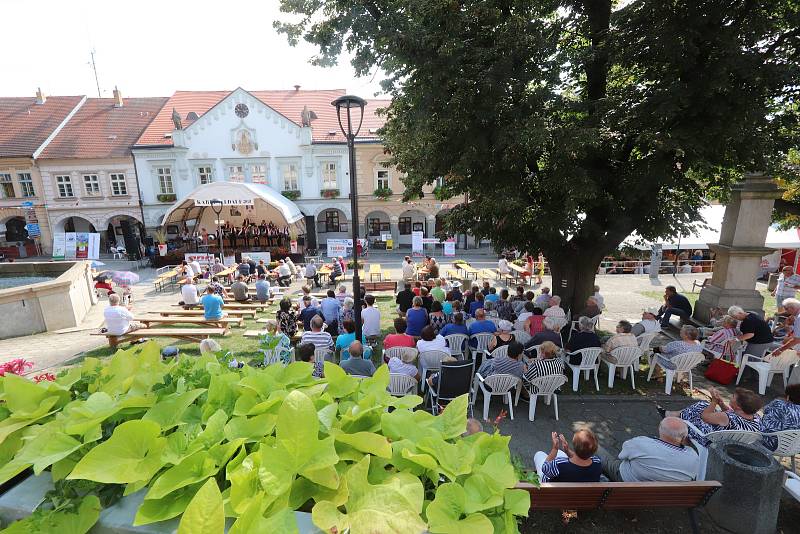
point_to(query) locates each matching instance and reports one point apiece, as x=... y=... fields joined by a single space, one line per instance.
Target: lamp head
x=216 y=205
x=349 y=103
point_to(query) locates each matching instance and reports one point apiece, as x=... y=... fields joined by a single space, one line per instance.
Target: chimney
x=117 y=98
x=296 y=87
x=40 y=98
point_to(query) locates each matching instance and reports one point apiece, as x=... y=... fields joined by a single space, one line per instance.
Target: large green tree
x=571 y=124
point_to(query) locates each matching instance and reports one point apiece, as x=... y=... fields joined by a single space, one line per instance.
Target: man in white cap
x=649 y=323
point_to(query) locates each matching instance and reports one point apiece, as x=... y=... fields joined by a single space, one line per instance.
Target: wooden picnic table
x=468 y=270
x=239 y=306
x=250 y=314
x=186 y=334
x=150 y=320
x=164 y=277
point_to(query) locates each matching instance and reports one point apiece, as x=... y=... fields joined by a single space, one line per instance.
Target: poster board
x=416 y=244
x=257 y=256
x=94 y=246
x=229 y=261
x=59 y=246
x=450 y=247
x=71 y=246
x=336 y=249
x=82 y=245
x=201 y=257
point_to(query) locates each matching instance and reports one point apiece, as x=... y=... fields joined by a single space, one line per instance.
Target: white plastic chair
x=792 y=485
x=116 y=253
x=501 y=386
x=521 y=336
x=644 y=344
x=543 y=386
x=684 y=363
x=430 y=360
x=767 y=369
x=627 y=359
x=788 y=444
x=589 y=363
x=323 y=355
x=498 y=352
x=401 y=385
x=737 y=347
x=574 y=327
x=398 y=352
x=738 y=436
x=481 y=344
x=457 y=344
x=272 y=356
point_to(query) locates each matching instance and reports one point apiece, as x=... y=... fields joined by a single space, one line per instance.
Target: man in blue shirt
x=492 y=296
x=212 y=305
x=308 y=313
x=674 y=304
x=480 y=325
x=330 y=306
x=262 y=289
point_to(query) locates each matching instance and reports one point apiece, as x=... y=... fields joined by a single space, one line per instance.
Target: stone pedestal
x=740 y=248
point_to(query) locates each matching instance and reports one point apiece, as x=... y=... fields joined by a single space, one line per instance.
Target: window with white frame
x=382 y=179
x=64 y=185
x=235 y=173
x=290 y=175
x=6 y=186
x=258 y=173
x=26 y=184
x=92 y=185
x=165 y=180
x=329 y=175
x=118 y=185
x=205 y=175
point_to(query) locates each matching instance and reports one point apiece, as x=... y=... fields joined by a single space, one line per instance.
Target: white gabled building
x=288 y=140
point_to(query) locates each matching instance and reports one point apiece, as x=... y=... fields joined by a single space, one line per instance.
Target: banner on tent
x=227 y=202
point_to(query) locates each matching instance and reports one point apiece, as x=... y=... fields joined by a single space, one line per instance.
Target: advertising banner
x=201 y=257
x=450 y=247
x=416 y=243
x=94 y=246
x=82 y=245
x=256 y=256
x=71 y=246
x=293 y=247
x=59 y=246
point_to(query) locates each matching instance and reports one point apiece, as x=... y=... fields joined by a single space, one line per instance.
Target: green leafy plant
x=167 y=197
x=160 y=236
x=383 y=193
x=291 y=194
x=205 y=442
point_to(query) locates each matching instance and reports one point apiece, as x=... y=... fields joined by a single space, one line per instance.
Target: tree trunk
x=573 y=279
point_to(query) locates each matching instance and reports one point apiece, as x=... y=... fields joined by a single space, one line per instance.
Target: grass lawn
x=658 y=296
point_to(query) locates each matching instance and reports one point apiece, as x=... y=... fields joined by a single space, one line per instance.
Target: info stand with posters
x=417 y=244
x=450 y=247
x=76 y=246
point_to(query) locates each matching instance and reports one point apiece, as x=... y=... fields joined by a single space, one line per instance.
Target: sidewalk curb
x=623 y=398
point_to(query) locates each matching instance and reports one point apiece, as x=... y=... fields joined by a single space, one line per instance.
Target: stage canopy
x=256 y=202
x=702 y=237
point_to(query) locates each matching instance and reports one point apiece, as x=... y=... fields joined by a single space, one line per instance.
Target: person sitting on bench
x=648 y=459
x=336 y=272
x=563 y=464
x=311 y=273
x=212 y=305
x=284 y=274
x=191 y=297
x=240 y=290
x=119 y=319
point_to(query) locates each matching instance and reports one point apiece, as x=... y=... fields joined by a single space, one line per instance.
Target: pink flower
x=50 y=377
x=16 y=367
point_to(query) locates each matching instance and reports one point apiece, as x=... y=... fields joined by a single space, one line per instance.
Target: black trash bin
x=752 y=482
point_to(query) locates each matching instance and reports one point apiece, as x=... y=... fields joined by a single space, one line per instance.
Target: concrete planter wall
x=46 y=306
x=20 y=501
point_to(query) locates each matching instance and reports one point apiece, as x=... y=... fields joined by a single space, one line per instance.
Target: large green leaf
x=169 y=506
x=454 y=459
x=340 y=384
x=367 y=442
x=250 y=428
x=447 y=514
x=392 y=506
x=485 y=488
x=131 y=454
x=205 y=512
x=82 y=416
x=168 y=412
x=24 y=397
x=191 y=470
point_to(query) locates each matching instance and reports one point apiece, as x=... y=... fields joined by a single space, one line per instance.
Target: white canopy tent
x=240 y=200
x=700 y=239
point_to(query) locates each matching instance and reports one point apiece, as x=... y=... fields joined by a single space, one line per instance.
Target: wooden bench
x=386 y=285
x=239 y=306
x=190 y=319
x=249 y=314
x=452 y=274
x=187 y=334
x=487 y=273
x=622 y=496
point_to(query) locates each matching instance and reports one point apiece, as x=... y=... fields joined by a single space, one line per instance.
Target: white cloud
x=154 y=47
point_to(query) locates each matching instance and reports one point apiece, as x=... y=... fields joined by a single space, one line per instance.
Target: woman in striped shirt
x=546 y=363
x=715 y=344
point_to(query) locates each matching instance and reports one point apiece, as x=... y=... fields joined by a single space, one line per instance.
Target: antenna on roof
x=94 y=68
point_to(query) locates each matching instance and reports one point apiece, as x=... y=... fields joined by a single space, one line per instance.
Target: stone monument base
x=715 y=297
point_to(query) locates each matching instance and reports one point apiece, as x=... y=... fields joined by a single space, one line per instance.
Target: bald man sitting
x=661 y=459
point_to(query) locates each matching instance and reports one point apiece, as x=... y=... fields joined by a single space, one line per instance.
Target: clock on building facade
x=241 y=110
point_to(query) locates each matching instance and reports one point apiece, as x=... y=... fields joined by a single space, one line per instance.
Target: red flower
x=50 y=377
x=16 y=367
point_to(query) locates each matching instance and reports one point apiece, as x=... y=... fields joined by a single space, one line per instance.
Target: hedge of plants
x=206 y=442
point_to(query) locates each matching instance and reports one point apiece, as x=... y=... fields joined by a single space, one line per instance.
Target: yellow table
x=469 y=270
x=375 y=270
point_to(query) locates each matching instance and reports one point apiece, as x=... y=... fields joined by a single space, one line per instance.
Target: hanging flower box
x=170 y=197
x=383 y=193
x=329 y=193
x=291 y=194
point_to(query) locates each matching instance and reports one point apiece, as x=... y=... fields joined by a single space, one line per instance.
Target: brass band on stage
x=248 y=235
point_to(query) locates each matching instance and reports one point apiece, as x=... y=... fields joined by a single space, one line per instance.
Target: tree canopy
x=571 y=124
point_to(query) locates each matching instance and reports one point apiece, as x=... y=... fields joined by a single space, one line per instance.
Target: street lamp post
x=216 y=205
x=348 y=104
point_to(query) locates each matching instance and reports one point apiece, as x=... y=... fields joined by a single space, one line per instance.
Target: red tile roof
x=25 y=125
x=288 y=103
x=100 y=130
